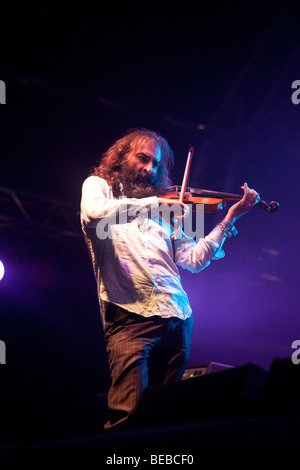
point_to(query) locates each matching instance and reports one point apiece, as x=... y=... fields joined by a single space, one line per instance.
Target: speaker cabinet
x=282 y=390
x=230 y=392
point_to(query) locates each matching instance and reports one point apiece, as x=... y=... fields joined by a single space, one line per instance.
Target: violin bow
x=183 y=186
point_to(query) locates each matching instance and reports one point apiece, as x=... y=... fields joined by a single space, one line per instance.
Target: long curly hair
x=111 y=162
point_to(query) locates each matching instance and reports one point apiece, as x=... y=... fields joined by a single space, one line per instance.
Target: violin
x=213 y=201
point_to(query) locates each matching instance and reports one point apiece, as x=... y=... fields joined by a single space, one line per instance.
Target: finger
x=185 y=211
x=253 y=198
x=256 y=197
x=246 y=190
x=253 y=193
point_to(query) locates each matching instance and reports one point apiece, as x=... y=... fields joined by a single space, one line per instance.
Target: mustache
x=139 y=185
x=138 y=178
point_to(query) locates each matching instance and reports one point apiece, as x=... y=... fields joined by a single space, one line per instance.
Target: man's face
x=144 y=160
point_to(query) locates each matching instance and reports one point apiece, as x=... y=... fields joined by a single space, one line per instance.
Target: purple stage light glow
x=2 y=270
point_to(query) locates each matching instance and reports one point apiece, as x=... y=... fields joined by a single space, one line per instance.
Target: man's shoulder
x=94 y=180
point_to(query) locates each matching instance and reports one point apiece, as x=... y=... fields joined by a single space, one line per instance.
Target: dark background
x=217 y=77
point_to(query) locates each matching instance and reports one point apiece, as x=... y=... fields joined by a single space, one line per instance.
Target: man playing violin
x=145 y=312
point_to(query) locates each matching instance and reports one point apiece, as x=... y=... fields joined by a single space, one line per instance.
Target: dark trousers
x=142 y=352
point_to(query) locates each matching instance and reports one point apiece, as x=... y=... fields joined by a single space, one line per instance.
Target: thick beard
x=138 y=186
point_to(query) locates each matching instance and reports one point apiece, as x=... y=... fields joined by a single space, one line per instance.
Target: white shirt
x=134 y=262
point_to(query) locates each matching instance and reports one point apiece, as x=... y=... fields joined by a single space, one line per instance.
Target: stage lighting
x=2 y=270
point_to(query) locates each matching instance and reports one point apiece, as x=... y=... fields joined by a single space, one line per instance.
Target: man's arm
x=97 y=204
x=197 y=256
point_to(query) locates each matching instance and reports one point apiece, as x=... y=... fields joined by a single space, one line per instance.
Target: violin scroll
x=269 y=208
x=274 y=205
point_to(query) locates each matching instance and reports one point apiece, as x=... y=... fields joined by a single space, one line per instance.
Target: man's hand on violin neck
x=248 y=201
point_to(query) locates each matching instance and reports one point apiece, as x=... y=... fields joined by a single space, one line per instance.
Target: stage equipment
x=228 y=393
x=205 y=368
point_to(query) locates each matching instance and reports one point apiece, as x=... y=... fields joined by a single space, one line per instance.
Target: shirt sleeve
x=197 y=256
x=97 y=202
